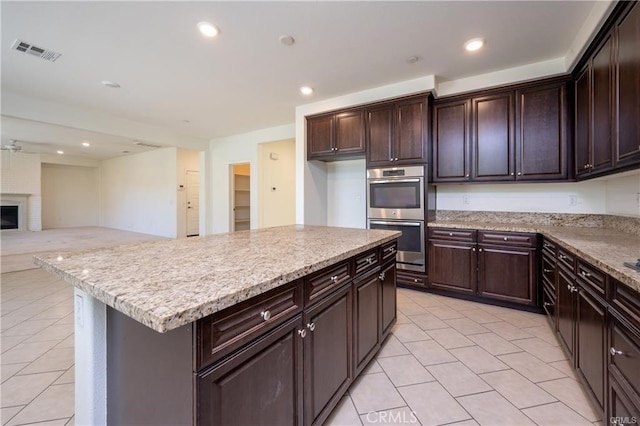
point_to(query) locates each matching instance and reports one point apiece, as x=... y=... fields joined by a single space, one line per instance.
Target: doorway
x=240 y=187
x=193 y=203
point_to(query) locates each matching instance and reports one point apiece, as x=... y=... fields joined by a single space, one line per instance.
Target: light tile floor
x=447 y=361
x=454 y=362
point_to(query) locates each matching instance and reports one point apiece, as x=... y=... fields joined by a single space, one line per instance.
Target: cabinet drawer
x=549 y=248
x=507 y=238
x=591 y=276
x=366 y=262
x=624 y=354
x=549 y=272
x=227 y=330
x=406 y=277
x=567 y=260
x=452 y=234
x=323 y=282
x=625 y=300
x=549 y=305
x=389 y=251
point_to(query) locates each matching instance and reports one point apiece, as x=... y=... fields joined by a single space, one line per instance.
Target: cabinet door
x=493 y=145
x=508 y=273
x=366 y=330
x=622 y=409
x=388 y=277
x=320 y=136
x=628 y=73
x=328 y=364
x=451 y=138
x=591 y=342
x=411 y=132
x=602 y=87
x=350 y=132
x=583 y=122
x=565 y=306
x=452 y=266
x=379 y=135
x=260 y=385
x=541 y=149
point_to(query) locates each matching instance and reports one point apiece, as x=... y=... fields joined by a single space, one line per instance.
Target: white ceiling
x=245 y=79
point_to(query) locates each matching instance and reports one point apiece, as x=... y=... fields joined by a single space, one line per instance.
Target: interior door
x=193 y=203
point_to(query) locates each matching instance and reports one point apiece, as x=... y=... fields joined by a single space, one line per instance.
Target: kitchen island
x=265 y=326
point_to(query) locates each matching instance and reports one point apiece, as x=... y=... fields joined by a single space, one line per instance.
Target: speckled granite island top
x=604 y=248
x=171 y=283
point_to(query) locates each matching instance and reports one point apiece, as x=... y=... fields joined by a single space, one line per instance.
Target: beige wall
x=70 y=196
x=277 y=183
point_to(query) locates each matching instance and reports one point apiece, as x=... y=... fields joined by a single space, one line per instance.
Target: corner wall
x=20 y=174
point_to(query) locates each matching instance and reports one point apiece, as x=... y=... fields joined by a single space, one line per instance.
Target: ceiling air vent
x=39 y=52
x=147 y=145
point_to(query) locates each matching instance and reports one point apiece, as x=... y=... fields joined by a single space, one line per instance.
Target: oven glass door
x=411 y=253
x=396 y=198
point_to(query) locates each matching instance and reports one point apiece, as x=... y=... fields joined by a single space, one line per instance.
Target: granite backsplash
x=627 y=224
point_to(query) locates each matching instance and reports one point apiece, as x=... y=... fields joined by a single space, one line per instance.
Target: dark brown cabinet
x=397 y=132
x=451 y=141
x=549 y=277
x=542 y=133
x=491 y=265
x=627 y=30
x=583 y=122
x=388 y=295
x=274 y=393
x=336 y=136
x=521 y=134
x=493 y=144
x=327 y=354
x=367 y=319
x=566 y=302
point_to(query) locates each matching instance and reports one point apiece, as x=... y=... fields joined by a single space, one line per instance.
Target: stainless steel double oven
x=396 y=201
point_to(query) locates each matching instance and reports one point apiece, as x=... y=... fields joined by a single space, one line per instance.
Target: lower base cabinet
x=367 y=321
x=453 y=266
x=242 y=380
x=508 y=274
x=388 y=296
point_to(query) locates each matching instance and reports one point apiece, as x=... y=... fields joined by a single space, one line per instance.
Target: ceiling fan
x=11 y=146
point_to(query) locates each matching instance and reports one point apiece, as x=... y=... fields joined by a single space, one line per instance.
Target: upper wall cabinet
x=336 y=136
x=498 y=136
x=627 y=30
x=397 y=132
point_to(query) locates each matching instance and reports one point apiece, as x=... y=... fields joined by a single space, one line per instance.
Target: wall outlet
x=573 y=200
x=79 y=310
x=466 y=199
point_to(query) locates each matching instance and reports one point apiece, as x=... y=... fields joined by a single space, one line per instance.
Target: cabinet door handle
x=370 y=260
x=546 y=271
x=473 y=249
x=586 y=166
x=562 y=256
x=506 y=239
x=466 y=175
x=569 y=287
x=381 y=276
x=302 y=333
x=311 y=326
x=548 y=304
x=511 y=173
x=585 y=274
x=545 y=245
x=334 y=279
x=451 y=234
x=266 y=315
x=519 y=173
x=613 y=351
x=480 y=250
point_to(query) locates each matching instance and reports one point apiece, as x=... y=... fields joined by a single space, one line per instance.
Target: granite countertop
x=604 y=248
x=171 y=283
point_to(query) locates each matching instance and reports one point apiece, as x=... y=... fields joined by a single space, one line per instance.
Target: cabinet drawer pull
x=545 y=245
x=585 y=274
x=546 y=271
x=302 y=333
x=506 y=239
x=511 y=173
x=451 y=234
x=266 y=315
x=334 y=279
x=615 y=352
x=395 y=159
x=548 y=304
x=311 y=326
x=519 y=173
x=480 y=250
x=381 y=276
x=415 y=280
x=562 y=256
x=370 y=260
x=473 y=249
x=466 y=175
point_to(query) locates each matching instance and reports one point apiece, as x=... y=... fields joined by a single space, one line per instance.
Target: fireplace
x=9 y=217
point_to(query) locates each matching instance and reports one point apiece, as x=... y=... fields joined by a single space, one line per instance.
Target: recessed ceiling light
x=474 y=44
x=60 y=152
x=111 y=84
x=208 y=29
x=287 y=40
x=86 y=144
x=306 y=90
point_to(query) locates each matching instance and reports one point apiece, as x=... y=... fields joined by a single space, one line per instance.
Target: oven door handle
x=377 y=222
x=395 y=181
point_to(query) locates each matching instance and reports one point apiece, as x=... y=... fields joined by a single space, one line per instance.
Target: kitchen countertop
x=171 y=283
x=604 y=248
